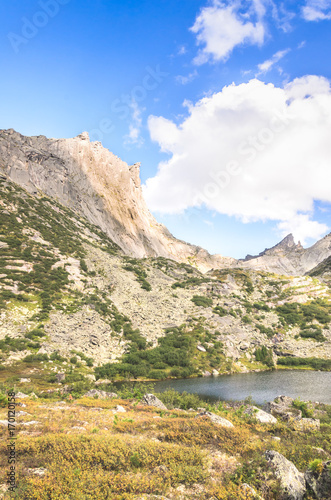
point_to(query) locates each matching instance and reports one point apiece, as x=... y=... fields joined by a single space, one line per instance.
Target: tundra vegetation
x=85 y=448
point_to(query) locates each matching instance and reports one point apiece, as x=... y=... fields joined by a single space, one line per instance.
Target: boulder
x=282 y=407
x=151 y=400
x=119 y=409
x=249 y=492
x=307 y=424
x=320 y=481
x=292 y=482
x=260 y=415
x=40 y=471
x=5 y=423
x=102 y=381
x=100 y=394
x=21 y=395
x=60 y=377
x=216 y=419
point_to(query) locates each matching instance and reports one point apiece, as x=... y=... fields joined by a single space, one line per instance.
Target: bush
x=55 y=356
x=157 y=374
x=220 y=311
x=264 y=329
x=31 y=358
x=173 y=399
x=264 y=355
x=201 y=301
x=312 y=332
x=316 y=465
x=316 y=363
x=36 y=332
x=303 y=406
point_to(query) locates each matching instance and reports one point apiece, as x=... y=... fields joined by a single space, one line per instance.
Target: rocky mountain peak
x=96 y=184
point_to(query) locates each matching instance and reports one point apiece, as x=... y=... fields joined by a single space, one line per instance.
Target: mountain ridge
x=93 y=182
x=86 y=177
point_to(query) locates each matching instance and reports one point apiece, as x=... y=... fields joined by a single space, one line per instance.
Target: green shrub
x=312 y=332
x=264 y=355
x=55 y=356
x=316 y=363
x=201 y=301
x=303 y=406
x=220 y=311
x=31 y=358
x=316 y=465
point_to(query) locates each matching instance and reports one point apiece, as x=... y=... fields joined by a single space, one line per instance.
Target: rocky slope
x=289 y=258
x=89 y=179
x=66 y=288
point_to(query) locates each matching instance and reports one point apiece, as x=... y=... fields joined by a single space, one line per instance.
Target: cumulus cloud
x=317 y=10
x=303 y=227
x=269 y=63
x=254 y=151
x=220 y=27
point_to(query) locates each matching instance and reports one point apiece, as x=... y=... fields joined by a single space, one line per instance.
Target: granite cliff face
x=92 y=181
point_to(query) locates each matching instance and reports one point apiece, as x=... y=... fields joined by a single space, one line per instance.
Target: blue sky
x=193 y=86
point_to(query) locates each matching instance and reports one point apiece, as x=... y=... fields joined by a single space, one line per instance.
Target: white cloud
x=303 y=227
x=269 y=63
x=282 y=16
x=219 y=28
x=317 y=10
x=182 y=50
x=134 y=137
x=184 y=80
x=253 y=151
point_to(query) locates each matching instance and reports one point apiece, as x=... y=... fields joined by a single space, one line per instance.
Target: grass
x=88 y=451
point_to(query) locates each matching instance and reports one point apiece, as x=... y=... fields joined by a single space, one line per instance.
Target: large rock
x=320 y=481
x=21 y=395
x=292 y=482
x=260 y=415
x=283 y=407
x=100 y=394
x=60 y=377
x=216 y=419
x=307 y=424
x=151 y=400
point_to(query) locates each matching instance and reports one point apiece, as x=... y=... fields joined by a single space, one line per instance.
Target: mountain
x=96 y=184
x=289 y=258
x=99 y=186
x=73 y=303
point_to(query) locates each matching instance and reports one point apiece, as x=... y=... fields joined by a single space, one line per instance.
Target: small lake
x=262 y=386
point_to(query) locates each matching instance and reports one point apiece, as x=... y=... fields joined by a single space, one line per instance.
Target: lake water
x=262 y=386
